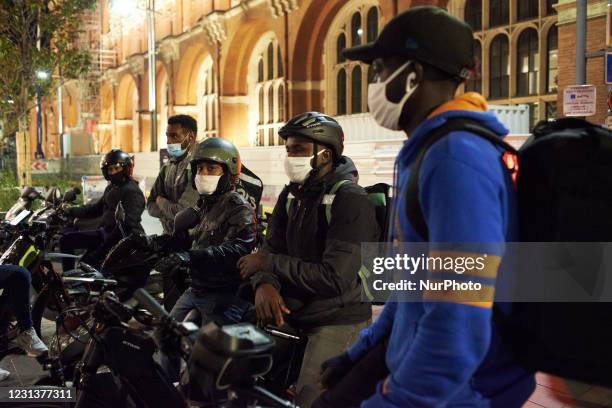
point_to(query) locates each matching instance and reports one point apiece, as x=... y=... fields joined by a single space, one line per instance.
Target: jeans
x=15 y=282
x=324 y=342
x=221 y=307
x=359 y=383
x=79 y=240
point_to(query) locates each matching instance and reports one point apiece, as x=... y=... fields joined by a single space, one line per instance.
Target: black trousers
x=89 y=240
x=358 y=384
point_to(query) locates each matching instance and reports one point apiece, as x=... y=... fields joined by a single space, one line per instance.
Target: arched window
x=499 y=12
x=207 y=100
x=340 y=45
x=270 y=104
x=550 y=10
x=527 y=9
x=267 y=117
x=356 y=90
x=552 y=52
x=527 y=63
x=499 y=68
x=356 y=30
x=346 y=81
x=261 y=106
x=473 y=14
x=270 y=55
x=281 y=103
x=279 y=63
x=341 y=108
x=474 y=84
x=372 y=24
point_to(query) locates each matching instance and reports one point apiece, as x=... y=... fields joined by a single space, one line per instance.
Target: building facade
x=242 y=68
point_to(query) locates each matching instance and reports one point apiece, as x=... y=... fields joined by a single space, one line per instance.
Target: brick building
x=243 y=67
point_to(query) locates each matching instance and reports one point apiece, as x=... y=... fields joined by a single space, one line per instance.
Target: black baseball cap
x=426 y=34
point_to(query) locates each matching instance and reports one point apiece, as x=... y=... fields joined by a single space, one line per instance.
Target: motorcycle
x=25 y=202
x=18 y=213
x=31 y=249
x=228 y=358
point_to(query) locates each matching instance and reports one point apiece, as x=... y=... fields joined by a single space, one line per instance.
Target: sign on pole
x=39 y=165
x=580 y=100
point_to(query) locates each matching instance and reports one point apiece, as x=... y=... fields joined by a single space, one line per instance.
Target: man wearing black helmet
x=226 y=231
x=117 y=168
x=307 y=272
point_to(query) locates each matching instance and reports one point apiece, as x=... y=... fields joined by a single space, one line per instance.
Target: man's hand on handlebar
x=270 y=306
x=169 y=265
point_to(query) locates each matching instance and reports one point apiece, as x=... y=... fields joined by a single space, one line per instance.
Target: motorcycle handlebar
x=148 y=302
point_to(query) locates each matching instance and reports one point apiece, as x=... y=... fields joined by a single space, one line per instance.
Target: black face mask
x=117 y=178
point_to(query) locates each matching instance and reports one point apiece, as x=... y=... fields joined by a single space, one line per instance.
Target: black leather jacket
x=225 y=233
x=132 y=199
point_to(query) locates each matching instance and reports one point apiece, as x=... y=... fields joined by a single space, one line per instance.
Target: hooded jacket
x=174 y=185
x=225 y=233
x=315 y=265
x=449 y=353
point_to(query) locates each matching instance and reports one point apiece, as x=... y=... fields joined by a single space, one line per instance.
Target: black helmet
x=116 y=156
x=217 y=150
x=319 y=128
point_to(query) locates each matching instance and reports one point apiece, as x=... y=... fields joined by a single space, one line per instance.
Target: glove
x=169 y=265
x=334 y=369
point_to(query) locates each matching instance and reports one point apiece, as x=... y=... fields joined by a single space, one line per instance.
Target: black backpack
x=564 y=186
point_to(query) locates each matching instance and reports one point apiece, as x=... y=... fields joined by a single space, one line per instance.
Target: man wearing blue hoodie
x=442 y=351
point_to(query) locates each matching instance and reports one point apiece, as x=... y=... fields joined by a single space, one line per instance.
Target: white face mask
x=298 y=169
x=385 y=112
x=206 y=185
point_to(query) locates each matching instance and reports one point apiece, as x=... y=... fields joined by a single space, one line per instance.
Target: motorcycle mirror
x=28 y=193
x=70 y=195
x=53 y=195
x=119 y=214
x=185 y=220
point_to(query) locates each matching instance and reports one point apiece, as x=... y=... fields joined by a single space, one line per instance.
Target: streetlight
x=39 y=154
x=129 y=9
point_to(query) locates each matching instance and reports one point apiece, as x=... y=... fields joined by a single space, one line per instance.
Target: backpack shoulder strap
x=328 y=199
x=413 y=206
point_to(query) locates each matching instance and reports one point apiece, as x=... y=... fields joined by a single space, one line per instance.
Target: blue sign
x=609 y=68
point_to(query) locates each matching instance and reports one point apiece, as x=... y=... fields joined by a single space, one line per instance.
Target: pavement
x=551 y=391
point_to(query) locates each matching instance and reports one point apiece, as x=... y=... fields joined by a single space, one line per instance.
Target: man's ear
x=328 y=156
x=417 y=78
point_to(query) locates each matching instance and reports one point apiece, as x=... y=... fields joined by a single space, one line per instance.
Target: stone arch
x=234 y=68
x=105 y=125
x=308 y=79
x=187 y=75
x=126 y=109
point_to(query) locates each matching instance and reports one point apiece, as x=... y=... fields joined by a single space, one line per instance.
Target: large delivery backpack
x=563 y=176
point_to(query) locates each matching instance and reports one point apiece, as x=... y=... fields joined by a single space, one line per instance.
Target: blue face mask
x=175 y=150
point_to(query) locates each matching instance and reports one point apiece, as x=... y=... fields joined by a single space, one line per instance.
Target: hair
x=185 y=121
